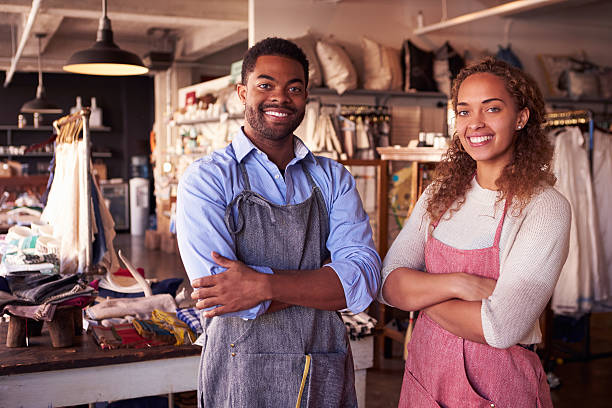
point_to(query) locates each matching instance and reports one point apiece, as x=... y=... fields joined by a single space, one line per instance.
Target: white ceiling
x=201 y=28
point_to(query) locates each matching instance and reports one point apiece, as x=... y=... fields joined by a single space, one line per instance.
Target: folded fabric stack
x=176 y=326
x=151 y=330
x=163 y=328
x=121 y=336
x=36 y=295
x=358 y=325
x=191 y=316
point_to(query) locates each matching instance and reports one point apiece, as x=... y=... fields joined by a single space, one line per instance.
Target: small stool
x=61 y=328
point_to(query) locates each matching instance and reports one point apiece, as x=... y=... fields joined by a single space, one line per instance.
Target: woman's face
x=488 y=119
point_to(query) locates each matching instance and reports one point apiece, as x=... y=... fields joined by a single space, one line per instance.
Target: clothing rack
x=574 y=118
x=68 y=129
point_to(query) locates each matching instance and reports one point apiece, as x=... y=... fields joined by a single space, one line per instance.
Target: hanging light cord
x=40 y=90
x=39 y=70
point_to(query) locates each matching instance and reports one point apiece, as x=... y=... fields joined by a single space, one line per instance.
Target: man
x=258 y=223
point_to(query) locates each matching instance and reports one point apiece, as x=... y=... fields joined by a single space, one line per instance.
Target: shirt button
x=277 y=176
x=233 y=354
x=492 y=405
x=232 y=345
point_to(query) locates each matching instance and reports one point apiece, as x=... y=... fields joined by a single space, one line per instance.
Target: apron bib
x=444 y=370
x=298 y=356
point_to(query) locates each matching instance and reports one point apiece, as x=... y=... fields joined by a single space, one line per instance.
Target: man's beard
x=255 y=117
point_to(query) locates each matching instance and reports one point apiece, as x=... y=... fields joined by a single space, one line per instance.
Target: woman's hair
x=530 y=167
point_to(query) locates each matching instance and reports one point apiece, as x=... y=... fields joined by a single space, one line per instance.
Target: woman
x=482 y=251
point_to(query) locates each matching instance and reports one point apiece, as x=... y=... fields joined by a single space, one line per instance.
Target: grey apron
x=296 y=357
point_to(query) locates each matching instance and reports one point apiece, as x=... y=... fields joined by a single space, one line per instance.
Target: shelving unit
x=205 y=120
x=379 y=98
x=10 y=131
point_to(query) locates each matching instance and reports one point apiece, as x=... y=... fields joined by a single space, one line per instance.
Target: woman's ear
x=523 y=117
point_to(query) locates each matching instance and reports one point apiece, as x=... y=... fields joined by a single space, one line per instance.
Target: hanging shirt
x=602 y=178
x=580 y=283
x=211 y=183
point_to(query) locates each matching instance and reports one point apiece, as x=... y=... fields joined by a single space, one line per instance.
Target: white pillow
x=377 y=72
x=394 y=58
x=307 y=44
x=338 y=70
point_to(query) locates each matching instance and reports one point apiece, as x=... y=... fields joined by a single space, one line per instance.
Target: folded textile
x=105 y=337
x=176 y=326
x=50 y=289
x=79 y=301
x=23 y=280
x=191 y=316
x=169 y=285
x=37 y=312
x=130 y=337
x=8 y=299
x=358 y=325
x=140 y=307
x=153 y=330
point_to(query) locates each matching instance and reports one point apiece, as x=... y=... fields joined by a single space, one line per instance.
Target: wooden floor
x=583 y=383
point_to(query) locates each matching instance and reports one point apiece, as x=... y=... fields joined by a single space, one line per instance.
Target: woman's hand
x=471 y=287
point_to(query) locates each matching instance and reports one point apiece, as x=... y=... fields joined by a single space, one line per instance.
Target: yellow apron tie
x=306 y=368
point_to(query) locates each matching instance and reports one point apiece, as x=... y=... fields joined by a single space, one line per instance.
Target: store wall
x=562 y=31
x=127 y=107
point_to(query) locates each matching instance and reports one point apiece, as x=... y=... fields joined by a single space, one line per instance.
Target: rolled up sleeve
x=353 y=256
x=200 y=225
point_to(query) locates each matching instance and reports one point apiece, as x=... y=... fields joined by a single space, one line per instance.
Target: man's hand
x=237 y=288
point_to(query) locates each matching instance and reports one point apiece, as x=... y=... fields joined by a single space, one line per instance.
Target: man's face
x=274 y=97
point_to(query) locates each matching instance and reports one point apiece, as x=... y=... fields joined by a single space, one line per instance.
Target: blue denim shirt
x=210 y=184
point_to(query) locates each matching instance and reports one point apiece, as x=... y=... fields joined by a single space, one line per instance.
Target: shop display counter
x=43 y=376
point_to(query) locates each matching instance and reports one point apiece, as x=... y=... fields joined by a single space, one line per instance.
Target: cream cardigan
x=533 y=248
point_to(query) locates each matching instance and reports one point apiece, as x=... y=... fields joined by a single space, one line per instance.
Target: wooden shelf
x=48 y=128
x=416 y=154
x=49 y=154
x=204 y=120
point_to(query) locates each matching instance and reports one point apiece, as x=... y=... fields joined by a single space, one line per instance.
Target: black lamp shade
x=105 y=57
x=40 y=105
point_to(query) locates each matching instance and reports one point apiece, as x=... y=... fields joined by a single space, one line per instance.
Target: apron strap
x=245 y=176
x=308 y=176
x=501 y=222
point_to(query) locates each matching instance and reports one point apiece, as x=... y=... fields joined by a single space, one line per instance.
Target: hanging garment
x=507 y=55
x=581 y=280
x=446 y=370
x=297 y=356
x=602 y=179
x=348 y=136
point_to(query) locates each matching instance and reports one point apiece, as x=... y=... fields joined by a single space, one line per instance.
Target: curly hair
x=530 y=167
x=273 y=46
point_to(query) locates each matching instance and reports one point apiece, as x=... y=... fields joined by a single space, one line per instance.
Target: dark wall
x=127 y=103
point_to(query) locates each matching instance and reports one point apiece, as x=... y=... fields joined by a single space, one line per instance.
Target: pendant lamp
x=105 y=57
x=40 y=104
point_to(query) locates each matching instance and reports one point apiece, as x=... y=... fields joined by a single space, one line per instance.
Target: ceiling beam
x=510 y=8
x=44 y=23
x=155 y=12
x=22 y=42
x=201 y=42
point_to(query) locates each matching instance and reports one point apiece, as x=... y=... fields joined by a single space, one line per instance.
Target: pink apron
x=444 y=370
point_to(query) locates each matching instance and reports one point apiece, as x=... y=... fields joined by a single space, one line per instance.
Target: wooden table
x=43 y=376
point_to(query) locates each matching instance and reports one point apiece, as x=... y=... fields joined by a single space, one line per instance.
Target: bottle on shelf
x=78 y=106
x=95 y=118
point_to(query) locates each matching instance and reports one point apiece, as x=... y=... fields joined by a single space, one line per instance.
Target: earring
x=519 y=127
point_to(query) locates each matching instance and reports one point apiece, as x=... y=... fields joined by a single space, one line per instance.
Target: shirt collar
x=242 y=146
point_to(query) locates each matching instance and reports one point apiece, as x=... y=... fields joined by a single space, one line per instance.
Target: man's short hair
x=273 y=46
